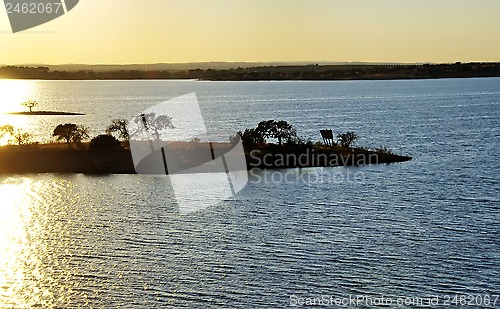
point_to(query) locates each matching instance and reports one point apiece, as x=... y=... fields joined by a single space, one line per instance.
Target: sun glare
x=12 y=94
x=26 y=279
x=13 y=240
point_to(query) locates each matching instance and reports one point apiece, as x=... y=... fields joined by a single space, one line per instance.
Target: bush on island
x=104 y=142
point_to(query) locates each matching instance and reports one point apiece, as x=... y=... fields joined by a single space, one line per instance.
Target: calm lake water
x=428 y=227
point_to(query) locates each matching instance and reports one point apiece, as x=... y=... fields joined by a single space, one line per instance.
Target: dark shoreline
x=64 y=158
x=268 y=73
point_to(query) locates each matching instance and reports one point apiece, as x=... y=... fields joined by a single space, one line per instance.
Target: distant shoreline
x=264 y=73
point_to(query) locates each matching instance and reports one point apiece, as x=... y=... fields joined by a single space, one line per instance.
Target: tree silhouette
x=29 y=104
x=346 y=139
x=248 y=137
x=22 y=138
x=154 y=124
x=71 y=132
x=280 y=130
x=119 y=126
x=18 y=137
x=6 y=129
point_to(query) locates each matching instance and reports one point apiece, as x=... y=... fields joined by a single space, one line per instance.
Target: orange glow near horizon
x=13 y=93
x=130 y=31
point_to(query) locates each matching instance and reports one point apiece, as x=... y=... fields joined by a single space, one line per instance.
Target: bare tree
x=6 y=129
x=154 y=124
x=22 y=138
x=119 y=126
x=30 y=104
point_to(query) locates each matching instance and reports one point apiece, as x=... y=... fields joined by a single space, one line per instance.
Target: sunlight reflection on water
x=30 y=238
x=425 y=227
x=60 y=236
x=12 y=94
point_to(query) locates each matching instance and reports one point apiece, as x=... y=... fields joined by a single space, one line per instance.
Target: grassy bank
x=69 y=158
x=64 y=158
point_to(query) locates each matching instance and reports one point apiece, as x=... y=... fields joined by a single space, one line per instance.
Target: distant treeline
x=302 y=72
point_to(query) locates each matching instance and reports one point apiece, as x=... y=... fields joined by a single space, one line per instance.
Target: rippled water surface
x=425 y=227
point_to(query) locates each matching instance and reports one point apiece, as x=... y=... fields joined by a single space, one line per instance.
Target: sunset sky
x=151 y=31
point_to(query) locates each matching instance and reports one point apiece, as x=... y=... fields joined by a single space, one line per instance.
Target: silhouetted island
x=45 y=113
x=104 y=154
x=70 y=158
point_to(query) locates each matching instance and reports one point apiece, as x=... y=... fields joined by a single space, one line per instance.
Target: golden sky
x=150 y=31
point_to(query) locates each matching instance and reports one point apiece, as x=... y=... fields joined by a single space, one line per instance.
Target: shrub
x=104 y=142
x=22 y=138
x=384 y=150
x=347 y=139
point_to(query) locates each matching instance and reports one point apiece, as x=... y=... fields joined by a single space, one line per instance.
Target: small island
x=105 y=154
x=31 y=103
x=45 y=113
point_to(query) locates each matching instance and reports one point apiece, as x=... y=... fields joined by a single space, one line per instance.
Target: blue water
x=428 y=227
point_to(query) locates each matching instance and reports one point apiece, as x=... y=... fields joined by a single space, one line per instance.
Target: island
x=62 y=158
x=45 y=113
x=32 y=103
x=104 y=154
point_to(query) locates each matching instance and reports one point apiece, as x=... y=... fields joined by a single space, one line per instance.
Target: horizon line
x=305 y=62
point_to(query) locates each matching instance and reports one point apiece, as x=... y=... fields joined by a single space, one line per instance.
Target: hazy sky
x=149 y=31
